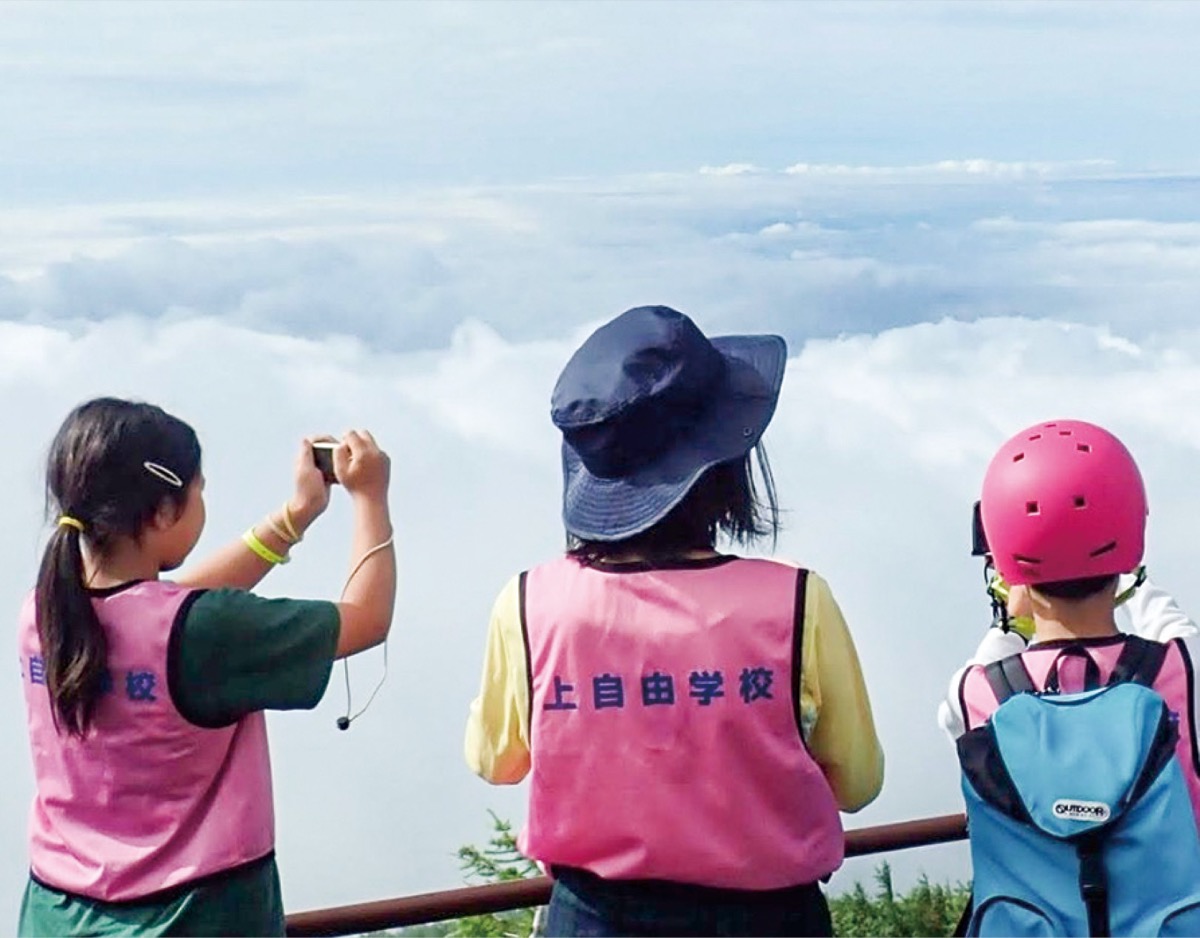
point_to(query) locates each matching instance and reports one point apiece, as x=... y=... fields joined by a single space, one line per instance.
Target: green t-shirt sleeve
x=233 y=653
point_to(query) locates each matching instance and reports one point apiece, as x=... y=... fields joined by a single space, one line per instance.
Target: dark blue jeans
x=583 y=904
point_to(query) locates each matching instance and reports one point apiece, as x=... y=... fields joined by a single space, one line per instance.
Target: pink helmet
x=1063 y=501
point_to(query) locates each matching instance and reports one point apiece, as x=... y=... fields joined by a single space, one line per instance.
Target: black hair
x=1081 y=588
x=725 y=499
x=96 y=474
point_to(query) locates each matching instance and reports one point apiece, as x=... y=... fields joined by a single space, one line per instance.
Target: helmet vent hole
x=1031 y=508
x=1036 y=436
x=1018 y=457
x=1064 y=432
x=1110 y=546
x=1080 y=501
x=1083 y=447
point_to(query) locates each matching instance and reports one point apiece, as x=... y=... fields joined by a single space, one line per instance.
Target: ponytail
x=74 y=647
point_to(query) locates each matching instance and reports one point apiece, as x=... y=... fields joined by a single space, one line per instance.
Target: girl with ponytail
x=145 y=696
x=93 y=472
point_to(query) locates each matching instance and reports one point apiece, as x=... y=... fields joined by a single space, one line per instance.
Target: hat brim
x=612 y=509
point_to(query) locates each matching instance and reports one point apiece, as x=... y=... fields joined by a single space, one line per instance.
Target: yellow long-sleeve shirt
x=835 y=711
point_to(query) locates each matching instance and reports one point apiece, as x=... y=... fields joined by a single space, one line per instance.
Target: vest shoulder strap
x=798 y=645
x=1007 y=677
x=1091 y=670
x=1139 y=663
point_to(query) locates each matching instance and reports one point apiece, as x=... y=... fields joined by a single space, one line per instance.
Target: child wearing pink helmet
x=1064 y=515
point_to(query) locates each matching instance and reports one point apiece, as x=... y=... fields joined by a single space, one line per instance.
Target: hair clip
x=163 y=473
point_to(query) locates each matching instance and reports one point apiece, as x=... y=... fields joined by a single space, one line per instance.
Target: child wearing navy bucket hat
x=691 y=721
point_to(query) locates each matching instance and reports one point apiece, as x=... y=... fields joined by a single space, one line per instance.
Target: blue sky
x=138 y=100
x=279 y=219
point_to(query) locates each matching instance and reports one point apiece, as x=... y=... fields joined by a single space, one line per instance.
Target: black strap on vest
x=1091 y=670
x=1139 y=663
x=1007 y=677
x=798 y=644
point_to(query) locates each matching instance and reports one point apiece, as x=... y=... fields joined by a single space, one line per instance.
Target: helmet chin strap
x=1139 y=577
x=998 y=591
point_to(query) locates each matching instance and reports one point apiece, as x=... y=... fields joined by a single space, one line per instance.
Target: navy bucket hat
x=646 y=405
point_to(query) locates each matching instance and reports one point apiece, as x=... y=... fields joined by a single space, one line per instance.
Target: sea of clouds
x=930 y=310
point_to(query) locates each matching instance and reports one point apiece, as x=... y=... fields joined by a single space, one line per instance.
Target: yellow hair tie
x=66 y=521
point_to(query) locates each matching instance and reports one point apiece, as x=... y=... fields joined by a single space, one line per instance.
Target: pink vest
x=146 y=800
x=664 y=736
x=1173 y=684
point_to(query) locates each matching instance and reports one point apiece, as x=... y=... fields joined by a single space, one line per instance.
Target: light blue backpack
x=1079 y=816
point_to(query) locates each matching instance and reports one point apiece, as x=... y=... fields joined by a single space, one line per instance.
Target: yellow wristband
x=250 y=539
x=278 y=530
x=290 y=525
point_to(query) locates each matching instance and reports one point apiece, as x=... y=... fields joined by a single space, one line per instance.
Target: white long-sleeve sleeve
x=1152 y=612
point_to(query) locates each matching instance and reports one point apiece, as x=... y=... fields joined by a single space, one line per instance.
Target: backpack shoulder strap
x=1007 y=677
x=1139 y=663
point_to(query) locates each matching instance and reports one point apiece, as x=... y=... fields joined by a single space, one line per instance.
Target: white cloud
x=1096 y=231
x=818 y=255
x=730 y=169
x=835 y=270
x=878 y=445
x=968 y=168
x=470 y=390
x=777 y=229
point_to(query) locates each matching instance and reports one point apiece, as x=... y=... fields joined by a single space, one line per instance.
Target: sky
x=279 y=219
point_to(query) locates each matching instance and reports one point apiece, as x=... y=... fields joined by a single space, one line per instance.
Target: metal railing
x=519 y=894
